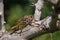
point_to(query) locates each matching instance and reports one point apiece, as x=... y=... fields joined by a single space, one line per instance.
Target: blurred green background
x=16 y=9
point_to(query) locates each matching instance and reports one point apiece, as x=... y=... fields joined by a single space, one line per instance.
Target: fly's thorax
x=28 y=19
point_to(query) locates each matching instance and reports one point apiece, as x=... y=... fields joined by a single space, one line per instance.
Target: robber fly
x=26 y=20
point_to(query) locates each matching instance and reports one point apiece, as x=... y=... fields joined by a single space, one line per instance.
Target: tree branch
x=38 y=27
x=38 y=8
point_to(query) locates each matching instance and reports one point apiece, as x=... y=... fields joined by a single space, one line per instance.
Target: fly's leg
x=20 y=32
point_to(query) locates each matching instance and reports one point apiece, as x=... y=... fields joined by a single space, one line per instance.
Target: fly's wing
x=16 y=28
x=18 y=25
